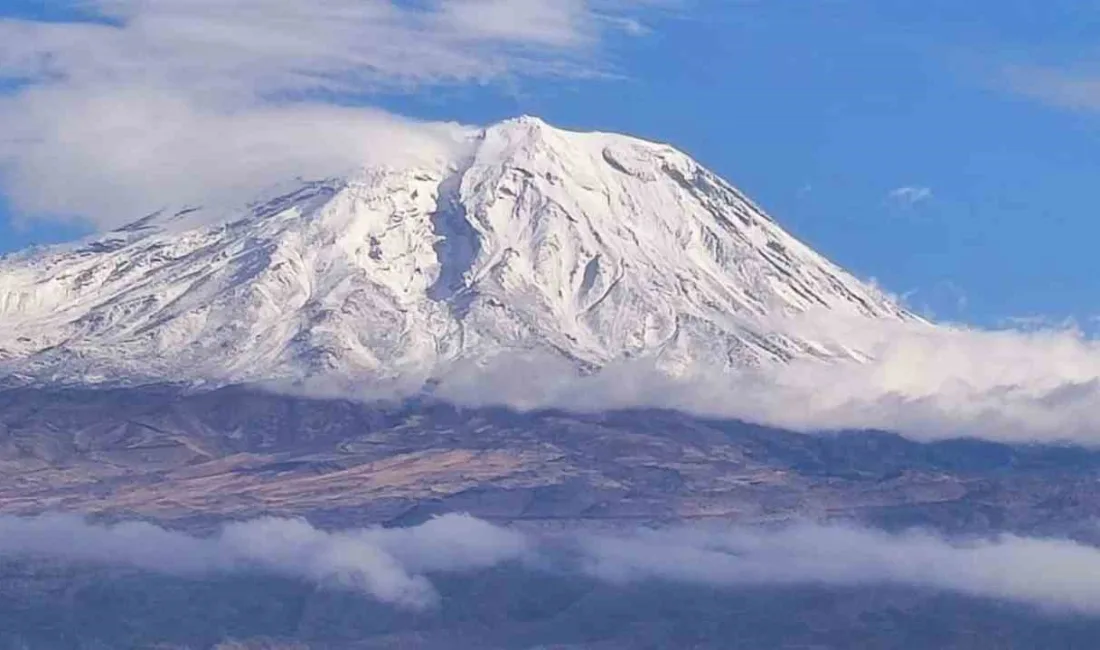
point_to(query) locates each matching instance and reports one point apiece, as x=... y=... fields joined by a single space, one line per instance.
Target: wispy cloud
x=278 y=46
x=178 y=101
x=1055 y=87
x=395 y=565
x=946 y=294
x=909 y=195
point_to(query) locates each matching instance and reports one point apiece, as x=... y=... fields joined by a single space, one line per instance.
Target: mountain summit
x=590 y=246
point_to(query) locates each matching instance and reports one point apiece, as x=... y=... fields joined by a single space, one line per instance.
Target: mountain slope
x=590 y=246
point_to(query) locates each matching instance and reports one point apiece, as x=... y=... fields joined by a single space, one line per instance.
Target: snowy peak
x=590 y=246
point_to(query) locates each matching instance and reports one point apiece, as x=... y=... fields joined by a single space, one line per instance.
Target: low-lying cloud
x=925 y=382
x=394 y=565
x=388 y=565
x=1051 y=573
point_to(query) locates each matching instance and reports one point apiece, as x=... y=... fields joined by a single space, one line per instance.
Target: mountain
x=590 y=246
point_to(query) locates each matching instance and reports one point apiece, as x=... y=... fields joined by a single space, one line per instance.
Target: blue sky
x=946 y=149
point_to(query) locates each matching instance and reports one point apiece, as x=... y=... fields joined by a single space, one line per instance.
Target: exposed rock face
x=198 y=458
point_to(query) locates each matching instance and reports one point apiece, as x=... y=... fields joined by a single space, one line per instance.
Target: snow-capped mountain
x=591 y=246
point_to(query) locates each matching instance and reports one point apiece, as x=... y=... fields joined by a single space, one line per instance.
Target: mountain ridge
x=589 y=246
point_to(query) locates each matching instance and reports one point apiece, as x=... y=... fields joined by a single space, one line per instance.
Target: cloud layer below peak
x=923 y=381
x=394 y=565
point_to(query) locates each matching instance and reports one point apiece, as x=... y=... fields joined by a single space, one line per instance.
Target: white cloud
x=394 y=565
x=183 y=101
x=563 y=23
x=1054 y=574
x=925 y=382
x=1059 y=88
x=909 y=195
x=385 y=564
x=278 y=46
